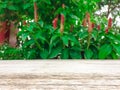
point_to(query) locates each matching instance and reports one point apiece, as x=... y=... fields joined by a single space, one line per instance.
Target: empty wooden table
x=59 y=75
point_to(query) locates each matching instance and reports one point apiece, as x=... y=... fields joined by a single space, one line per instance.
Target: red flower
x=62 y=23
x=98 y=27
x=24 y=22
x=62 y=19
x=55 y=22
x=93 y=25
x=87 y=15
x=110 y=23
x=90 y=27
x=84 y=22
x=63 y=5
x=3 y=26
x=106 y=31
x=13 y=35
x=2 y=37
x=35 y=12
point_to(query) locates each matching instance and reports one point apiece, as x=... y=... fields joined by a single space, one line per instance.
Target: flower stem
x=88 y=42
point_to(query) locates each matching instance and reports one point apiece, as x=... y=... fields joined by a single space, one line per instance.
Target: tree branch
x=109 y=4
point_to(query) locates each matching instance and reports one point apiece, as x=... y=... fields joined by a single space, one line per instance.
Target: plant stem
x=38 y=45
x=89 y=38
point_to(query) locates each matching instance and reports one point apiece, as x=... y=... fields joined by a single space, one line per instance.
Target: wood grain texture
x=59 y=75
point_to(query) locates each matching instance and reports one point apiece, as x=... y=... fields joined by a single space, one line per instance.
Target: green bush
x=40 y=40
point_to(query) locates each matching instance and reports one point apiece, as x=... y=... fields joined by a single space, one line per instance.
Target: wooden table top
x=60 y=75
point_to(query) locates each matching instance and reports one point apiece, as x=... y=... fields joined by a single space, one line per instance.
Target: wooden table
x=59 y=75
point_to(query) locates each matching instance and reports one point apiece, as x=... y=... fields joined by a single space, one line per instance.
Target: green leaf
x=55 y=52
x=83 y=35
x=3 y=5
x=88 y=53
x=24 y=36
x=44 y=54
x=35 y=0
x=11 y=7
x=114 y=38
x=26 y=6
x=117 y=48
x=38 y=35
x=118 y=36
x=73 y=40
x=47 y=1
x=94 y=34
x=41 y=23
x=74 y=17
x=28 y=43
x=104 y=51
x=95 y=51
x=55 y=39
x=31 y=27
x=65 y=54
x=65 y=40
x=75 y=54
x=76 y=48
x=31 y=54
x=114 y=55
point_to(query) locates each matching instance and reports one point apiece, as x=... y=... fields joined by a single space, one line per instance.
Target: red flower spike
x=2 y=37
x=87 y=15
x=106 y=31
x=13 y=34
x=110 y=23
x=62 y=19
x=61 y=28
x=89 y=27
x=63 y=5
x=2 y=32
x=98 y=27
x=62 y=23
x=35 y=12
x=24 y=22
x=7 y=32
x=93 y=25
x=84 y=23
x=55 y=22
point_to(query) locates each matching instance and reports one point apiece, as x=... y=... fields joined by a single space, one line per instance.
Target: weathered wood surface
x=59 y=75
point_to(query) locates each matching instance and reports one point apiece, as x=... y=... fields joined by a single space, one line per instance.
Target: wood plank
x=59 y=75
